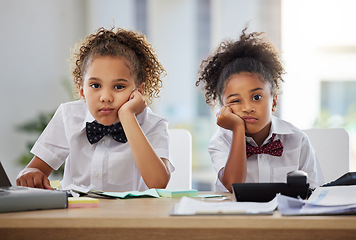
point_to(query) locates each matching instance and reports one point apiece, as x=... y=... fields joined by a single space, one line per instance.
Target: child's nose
x=106 y=96
x=248 y=107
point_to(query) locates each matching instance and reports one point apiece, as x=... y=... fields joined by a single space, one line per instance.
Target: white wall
x=106 y=13
x=172 y=31
x=36 y=37
x=319 y=43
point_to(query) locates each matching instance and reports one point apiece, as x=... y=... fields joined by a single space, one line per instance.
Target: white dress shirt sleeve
x=52 y=145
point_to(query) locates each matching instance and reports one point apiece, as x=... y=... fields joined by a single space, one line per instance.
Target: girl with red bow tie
x=252 y=145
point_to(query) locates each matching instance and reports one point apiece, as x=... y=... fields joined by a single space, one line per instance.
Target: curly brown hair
x=122 y=43
x=250 y=53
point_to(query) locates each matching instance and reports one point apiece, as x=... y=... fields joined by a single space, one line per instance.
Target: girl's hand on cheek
x=135 y=104
x=227 y=119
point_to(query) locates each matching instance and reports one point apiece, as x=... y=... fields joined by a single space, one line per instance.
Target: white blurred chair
x=180 y=149
x=332 y=149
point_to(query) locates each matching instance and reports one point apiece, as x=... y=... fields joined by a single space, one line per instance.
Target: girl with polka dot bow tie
x=110 y=140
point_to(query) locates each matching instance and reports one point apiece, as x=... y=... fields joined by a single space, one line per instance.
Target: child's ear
x=141 y=88
x=274 y=103
x=81 y=92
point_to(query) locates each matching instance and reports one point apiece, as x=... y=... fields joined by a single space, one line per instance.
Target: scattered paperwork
x=190 y=206
x=323 y=201
x=132 y=194
x=77 y=191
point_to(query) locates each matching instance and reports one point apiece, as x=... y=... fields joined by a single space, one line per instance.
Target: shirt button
x=96 y=174
x=103 y=141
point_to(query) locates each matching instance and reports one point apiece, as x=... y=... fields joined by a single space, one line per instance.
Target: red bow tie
x=274 y=148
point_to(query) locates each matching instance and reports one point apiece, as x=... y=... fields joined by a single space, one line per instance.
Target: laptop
x=4 y=180
x=16 y=198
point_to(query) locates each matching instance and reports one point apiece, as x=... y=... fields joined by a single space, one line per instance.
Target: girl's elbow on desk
x=160 y=182
x=227 y=182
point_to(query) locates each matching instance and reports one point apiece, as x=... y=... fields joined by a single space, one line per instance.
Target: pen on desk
x=216 y=199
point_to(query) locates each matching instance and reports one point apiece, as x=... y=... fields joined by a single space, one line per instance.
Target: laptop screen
x=4 y=180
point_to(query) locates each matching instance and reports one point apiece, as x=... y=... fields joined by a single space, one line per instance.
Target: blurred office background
x=317 y=39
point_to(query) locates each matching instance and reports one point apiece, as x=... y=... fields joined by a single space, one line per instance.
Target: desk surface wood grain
x=149 y=218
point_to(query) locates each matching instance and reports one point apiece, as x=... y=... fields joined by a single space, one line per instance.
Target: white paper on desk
x=324 y=200
x=289 y=205
x=294 y=206
x=81 y=189
x=75 y=190
x=333 y=196
x=190 y=206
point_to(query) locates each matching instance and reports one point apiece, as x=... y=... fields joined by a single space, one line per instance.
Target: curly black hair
x=250 y=53
x=121 y=43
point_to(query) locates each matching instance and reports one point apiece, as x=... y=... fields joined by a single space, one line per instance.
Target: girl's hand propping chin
x=135 y=104
x=227 y=119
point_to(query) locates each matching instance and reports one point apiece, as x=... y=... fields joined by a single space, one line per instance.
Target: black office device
x=346 y=179
x=264 y=192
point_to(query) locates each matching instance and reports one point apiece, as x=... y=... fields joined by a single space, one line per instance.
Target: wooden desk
x=148 y=218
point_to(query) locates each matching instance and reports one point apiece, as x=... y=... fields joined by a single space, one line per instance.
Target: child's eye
x=118 y=87
x=235 y=101
x=95 y=85
x=257 y=97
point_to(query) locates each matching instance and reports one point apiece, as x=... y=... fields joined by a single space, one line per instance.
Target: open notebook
x=14 y=198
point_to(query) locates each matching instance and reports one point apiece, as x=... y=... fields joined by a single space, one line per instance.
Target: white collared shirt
x=107 y=165
x=298 y=154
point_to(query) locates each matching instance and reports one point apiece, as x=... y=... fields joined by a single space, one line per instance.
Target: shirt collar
x=88 y=118
x=278 y=127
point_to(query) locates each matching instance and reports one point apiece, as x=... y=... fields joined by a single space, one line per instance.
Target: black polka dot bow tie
x=96 y=131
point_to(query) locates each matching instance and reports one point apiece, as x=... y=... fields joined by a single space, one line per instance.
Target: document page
x=333 y=196
x=189 y=206
x=323 y=201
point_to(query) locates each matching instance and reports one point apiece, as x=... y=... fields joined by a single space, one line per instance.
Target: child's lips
x=106 y=110
x=249 y=119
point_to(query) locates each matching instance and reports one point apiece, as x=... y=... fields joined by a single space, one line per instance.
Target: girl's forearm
x=235 y=169
x=153 y=169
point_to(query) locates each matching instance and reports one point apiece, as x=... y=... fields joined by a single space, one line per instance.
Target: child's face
x=107 y=85
x=250 y=98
